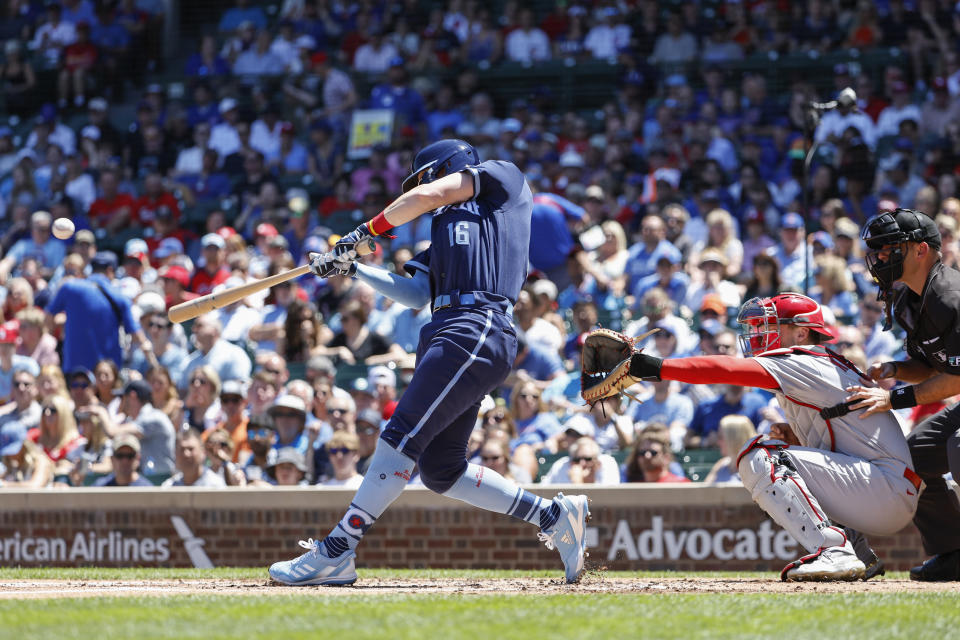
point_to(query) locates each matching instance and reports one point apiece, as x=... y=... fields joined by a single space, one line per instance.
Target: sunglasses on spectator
x=530 y=395
x=230 y=399
x=197 y=382
x=490 y=458
x=648 y=452
x=367 y=431
x=49 y=411
x=286 y=414
x=342 y=451
x=159 y=325
x=582 y=459
x=80 y=384
x=846 y=344
x=275 y=372
x=23 y=384
x=724 y=347
x=254 y=434
x=496 y=418
x=337 y=410
x=125 y=456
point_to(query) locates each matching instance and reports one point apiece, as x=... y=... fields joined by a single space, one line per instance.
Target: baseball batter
x=472 y=273
x=847 y=469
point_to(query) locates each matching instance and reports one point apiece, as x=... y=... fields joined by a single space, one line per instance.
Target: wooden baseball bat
x=199 y=306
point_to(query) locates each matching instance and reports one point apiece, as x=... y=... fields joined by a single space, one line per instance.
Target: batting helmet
x=887 y=234
x=762 y=318
x=439 y=159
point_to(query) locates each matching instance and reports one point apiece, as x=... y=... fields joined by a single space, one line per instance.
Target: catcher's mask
x=762 y=318
x=886 y=237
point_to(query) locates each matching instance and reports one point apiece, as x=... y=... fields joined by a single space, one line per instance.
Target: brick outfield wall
x=633 y=528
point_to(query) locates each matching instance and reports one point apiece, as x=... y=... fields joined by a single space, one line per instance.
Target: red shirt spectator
x=175 y=280
x=79 y=55
x=214 y=270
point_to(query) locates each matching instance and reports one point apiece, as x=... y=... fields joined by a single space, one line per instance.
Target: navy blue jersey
x=482 y=244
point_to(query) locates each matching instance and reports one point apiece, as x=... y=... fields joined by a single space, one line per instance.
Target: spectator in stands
x=191 y=471
x=79 y=59
x=150 y=425
x=214 y=270
x=289 y=469
x=23 y=411
x=355 y=342
x=289 y=416
x=735 y=431
x=584 y=465
x=163 y=351
x=229 y=361
x=19 y=81
x=643 y=256
x=233 y=402
x=53 y=34
x=834 y=288
x=126 y=463
x=789 y=253
x=40 y=245
x=713 y=266
x=527 y=43
x=163 y=394
x=651 y=457
x=95 y=312
x=676 y=46
x=376 y=55
x=220 y=453
x=106 y=375
x=93 y=457
x=260 y=436
x=202 y=402
x=495 y=454
x=57 y=434
x=535 y=424
x=112 y=210
x=343 y=452
x=26 y=465
x=234 y=17
x=398 y=96
x=706 y=418
x=35 y=342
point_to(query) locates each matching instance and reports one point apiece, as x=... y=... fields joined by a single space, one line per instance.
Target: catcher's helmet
x=888 y=233
x=439 y=159
x=762 y=318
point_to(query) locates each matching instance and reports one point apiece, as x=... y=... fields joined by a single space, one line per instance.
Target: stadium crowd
x=677 y=200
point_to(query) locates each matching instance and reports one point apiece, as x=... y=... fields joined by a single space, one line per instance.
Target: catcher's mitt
x=605 y=364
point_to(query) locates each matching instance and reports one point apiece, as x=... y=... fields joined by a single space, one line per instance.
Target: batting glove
x=324 y=265
x=345 y=250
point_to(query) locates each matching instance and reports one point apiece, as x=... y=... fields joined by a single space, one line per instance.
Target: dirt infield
x=30 y=589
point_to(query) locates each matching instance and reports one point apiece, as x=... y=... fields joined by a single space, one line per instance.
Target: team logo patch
x=940 y=356
x=356 y=522
x=954 y=361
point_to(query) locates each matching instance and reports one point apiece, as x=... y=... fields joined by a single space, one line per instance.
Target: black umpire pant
x=935 y=448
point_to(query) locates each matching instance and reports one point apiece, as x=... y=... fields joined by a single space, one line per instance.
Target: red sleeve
x=746 y=372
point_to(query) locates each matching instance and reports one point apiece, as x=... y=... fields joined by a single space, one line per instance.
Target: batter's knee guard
x=768 y=474
x=440 y=475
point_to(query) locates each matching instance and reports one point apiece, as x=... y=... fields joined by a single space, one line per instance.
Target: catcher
x=845 y=468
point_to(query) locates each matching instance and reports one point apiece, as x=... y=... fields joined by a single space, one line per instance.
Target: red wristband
x=379 y=226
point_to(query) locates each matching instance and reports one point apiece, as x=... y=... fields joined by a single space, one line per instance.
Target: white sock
x=387 y=475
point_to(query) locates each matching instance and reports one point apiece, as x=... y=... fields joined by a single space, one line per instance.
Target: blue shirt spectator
x=406 y=102
x=235 y=16
x=734 y=401
x=538 y=362
x=536 y=430
x=552 y=242
x=95 y=314
x=642 y=261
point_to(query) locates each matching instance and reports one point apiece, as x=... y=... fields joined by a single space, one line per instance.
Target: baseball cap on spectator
x=847 y=228
x=544 y=287
x=360 y=385
x=665 y=327
x=278 y=241
x=154 y=88
x=313 y=244
x=97 y=104
x=381 y=374
x=321 y=365
x=129 y=287
x=233 y=388
x=168 y=247
x=713 y=302
x=151 y=302
x=580 y=425
x=669 y=257
x=305 y=42
x=104 y=260
x=176 y=273
x=139 y=387
x=84 y=235
x=711 y=254
x=512 y=125
x=226 y=232
x=894 y=161
x=6 y=132
x=288 y=128
x=227 y=104
x=841 y=69
x=823 y=238
x=126 y=440
x=288 y=401
x=232 y=281
x=78 y=372
x=886 y=204
x=791 y=220
x=397 y=61
x=320 y=57
x=9 y=332
x=710 y=195
x=571 y=159
x=676 y=80
x=11 y=438
x=754 y=215
x=595 y=192
x=135 y=248
x=265 y=229
x=939 y=83
x=213 y=240
x=668 y=175
x=369 y=416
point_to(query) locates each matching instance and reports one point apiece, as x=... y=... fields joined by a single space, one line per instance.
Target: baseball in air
x=63 y=228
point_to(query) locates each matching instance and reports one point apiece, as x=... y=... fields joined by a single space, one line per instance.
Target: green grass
x=315 y=614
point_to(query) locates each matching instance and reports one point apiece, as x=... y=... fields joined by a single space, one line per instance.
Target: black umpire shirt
x=932 y=319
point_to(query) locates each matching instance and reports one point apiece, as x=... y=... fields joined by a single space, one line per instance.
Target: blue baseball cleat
x=568 y=534
x=315 y=568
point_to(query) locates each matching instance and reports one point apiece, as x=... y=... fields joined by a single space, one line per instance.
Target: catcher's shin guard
x=769 y=476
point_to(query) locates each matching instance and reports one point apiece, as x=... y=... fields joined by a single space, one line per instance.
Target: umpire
x=903 y=255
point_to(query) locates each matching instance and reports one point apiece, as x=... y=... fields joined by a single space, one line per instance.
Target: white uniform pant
x=872 y=497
